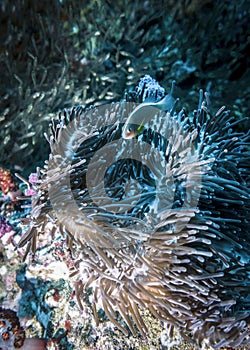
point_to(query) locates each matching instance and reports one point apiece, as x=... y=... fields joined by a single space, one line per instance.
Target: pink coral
x=33 y=178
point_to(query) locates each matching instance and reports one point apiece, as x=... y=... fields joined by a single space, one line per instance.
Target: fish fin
x=168 y=102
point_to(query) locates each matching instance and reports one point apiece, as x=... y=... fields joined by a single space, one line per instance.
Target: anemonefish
x=144 y=113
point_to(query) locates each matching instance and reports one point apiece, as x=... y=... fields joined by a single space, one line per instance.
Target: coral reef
x=58 y=54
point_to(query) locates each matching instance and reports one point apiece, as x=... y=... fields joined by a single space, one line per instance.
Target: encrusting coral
x=164 y=225
x=12 y=335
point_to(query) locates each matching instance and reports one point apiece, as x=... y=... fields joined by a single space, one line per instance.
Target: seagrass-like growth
x=161 y=220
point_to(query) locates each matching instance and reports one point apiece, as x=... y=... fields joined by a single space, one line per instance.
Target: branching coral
x=158 y=222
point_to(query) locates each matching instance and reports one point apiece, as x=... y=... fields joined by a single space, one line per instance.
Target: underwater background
x=58 y=54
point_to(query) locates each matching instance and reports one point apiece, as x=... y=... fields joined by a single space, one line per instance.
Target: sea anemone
x=159 y=221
